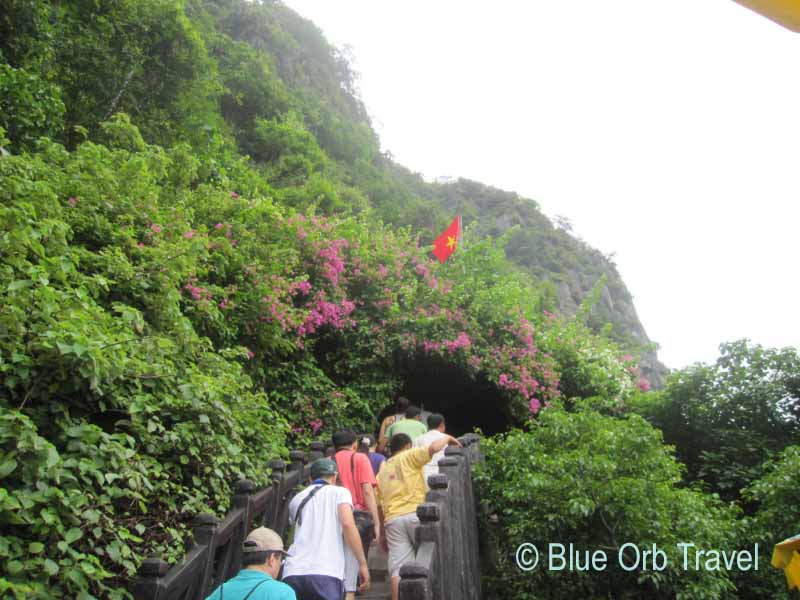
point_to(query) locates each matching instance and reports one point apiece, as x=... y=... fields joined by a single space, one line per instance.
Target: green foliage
x=292 y=151
x=596 y=482
x=120 y=422
x=29 y=107
x=161 y=337
x=145 y=58
x=202 y=276
x=778 y=517
x=259 y=76
x=726 y=419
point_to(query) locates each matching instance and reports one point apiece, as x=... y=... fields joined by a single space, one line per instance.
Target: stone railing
x=447 y=565
x=215 y=555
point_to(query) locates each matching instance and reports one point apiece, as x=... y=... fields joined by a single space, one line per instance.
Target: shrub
x=597 y=482
x=777 y=518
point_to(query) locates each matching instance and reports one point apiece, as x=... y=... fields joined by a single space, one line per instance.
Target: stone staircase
x=379 y=574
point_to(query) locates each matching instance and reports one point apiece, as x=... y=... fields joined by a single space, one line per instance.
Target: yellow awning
x=786 y=556
x=784 y=12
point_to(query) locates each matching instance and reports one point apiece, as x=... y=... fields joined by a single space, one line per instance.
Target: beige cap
x=263 y=539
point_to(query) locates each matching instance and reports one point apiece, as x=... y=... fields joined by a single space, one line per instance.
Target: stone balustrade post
x=297 y=460
x=242 y=492
x=414 y=582
x=204 y=530
x=452 y=466
x=148 y=584
x=316 y=450
x=430 y=534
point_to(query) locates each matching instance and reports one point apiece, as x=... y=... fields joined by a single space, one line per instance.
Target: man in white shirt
x=323 y=517
x=435 y=432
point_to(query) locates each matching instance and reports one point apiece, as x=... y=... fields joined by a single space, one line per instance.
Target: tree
x=777 y=496
x=596 y=482
x=726 y=419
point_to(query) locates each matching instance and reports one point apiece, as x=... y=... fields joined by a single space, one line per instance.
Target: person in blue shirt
x=262 y=557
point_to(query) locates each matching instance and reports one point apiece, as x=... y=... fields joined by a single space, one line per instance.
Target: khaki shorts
x=400 y=538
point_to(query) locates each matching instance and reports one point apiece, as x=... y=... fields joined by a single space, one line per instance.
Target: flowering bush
x=161 y=337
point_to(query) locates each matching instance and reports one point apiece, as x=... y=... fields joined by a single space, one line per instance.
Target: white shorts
x=400 y=538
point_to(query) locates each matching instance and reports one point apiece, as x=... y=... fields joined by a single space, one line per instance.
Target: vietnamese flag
x=445 y=244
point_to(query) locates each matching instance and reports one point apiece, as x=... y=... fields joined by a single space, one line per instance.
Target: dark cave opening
x=466 y=402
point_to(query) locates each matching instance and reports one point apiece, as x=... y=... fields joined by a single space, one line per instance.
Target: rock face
x=618 y=309
x=321 y=80
x=552 y=254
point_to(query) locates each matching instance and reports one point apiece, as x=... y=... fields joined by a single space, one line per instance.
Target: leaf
x=73 y=535
x=49 y=516
x=50 y=567
x=35 y=547
x=14 y=567
x=91 y=515
x=19 y=284
x=114 y=552
x=52 y=457
x=7 y=467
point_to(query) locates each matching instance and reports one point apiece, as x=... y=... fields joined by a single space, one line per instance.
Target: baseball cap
x=263 y=539
x=323 y=467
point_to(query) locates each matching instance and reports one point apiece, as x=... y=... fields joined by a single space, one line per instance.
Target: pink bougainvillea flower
x=72 y=201
x=155 y=228
x=218 y=226
x=140 y=244
x=189 y=234
x=304 y=287
x=534 y=405
x=462 y=341
x=250 y=354
x=644 y=385
x=316 y=425
x=234 y=195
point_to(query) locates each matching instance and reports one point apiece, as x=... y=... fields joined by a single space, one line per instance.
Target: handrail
x=216 y=552
x=447 y=565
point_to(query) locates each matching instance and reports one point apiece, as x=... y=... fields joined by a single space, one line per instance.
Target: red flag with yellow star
x=445 y=244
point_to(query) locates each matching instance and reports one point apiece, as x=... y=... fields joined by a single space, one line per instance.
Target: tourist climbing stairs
x=447 y=565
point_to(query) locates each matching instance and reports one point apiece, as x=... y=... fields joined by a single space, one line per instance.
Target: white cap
x=263 y=539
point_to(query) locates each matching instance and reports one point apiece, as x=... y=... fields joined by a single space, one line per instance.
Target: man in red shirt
x=355 y=474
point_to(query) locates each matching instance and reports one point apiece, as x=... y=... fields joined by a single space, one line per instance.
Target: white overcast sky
x=667 y=132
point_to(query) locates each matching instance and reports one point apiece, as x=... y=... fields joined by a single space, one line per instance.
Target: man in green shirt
x=262 y=557
x=412 y=425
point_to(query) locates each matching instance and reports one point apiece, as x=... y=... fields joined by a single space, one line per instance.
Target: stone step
x=379 y=575
x=379 y=590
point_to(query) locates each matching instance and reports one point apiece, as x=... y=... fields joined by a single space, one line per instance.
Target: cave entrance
x=438 y=386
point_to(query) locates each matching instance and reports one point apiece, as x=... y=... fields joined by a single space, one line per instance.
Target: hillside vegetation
x=205 y=260
x=260 y=76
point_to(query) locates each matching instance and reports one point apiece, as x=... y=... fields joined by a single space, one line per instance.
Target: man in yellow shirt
x=401 y=487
